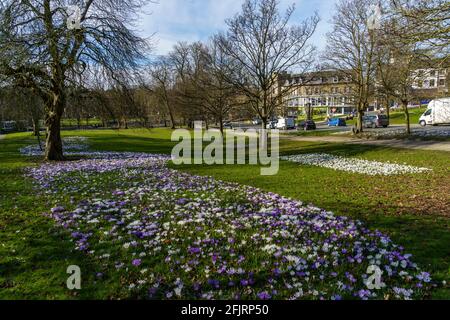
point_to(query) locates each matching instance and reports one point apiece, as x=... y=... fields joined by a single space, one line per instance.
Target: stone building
x=329 y=90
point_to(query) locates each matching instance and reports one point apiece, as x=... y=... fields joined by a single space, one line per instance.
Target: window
x=433 y=73
x=432 y=83
x=428 y=112
x=420 y=83
x=442 y=82
x=335 y=79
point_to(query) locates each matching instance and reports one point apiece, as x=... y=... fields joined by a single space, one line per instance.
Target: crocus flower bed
x=354 y=165
x=171 y=235
x=71 y=145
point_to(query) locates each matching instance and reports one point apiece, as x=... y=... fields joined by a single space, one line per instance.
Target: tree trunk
x=172 y=118
x=36 y=128
x=264 y=122
x=359 y=121
x=308 y=113
x=263 y=134
x=221 y=125
x=388 y=108
x=405 y=109
x=53 y=145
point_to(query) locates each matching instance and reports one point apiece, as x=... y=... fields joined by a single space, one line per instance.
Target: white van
x=285 y=123
x=438 y=112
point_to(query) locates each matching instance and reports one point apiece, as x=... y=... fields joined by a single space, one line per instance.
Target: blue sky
x=194 y=20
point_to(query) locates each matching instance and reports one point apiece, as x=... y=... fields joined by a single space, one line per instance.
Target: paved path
x=393 y=143
x=405 y=144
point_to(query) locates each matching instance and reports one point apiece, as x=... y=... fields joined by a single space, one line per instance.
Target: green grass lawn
x=412 y=209
x=398 y=117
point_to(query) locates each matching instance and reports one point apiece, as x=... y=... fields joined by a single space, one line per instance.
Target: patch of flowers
x=166 y=234
x=71 y=146
x=353 y=164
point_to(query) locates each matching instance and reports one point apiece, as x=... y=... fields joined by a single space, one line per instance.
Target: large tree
x=351 y=49
x=40 y=48
x=263 y=43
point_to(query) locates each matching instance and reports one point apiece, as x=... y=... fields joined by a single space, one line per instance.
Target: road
x=405 y=144
x=322 y=126
x=394 y=143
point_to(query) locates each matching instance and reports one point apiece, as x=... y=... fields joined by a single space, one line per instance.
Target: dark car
x=350 y=116
x=310 y=125
x=376 y=121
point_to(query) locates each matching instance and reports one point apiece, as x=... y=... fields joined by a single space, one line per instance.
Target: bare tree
x=425 y=22
x=351 y=50
x=397 y=63
x=39 y=51
x=204 y=71
x=261 y=44
x=163 y=75
x=219 y=96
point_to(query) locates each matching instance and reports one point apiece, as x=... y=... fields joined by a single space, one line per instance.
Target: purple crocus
x=264 y=295
x=137 y=262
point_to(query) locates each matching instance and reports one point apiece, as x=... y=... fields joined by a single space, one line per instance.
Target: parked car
x=376 y=121
x=8 y=126
x=227 y=125
x=272 y=124
x=438 y=112
x=337 y=122
x=309 y=125
x=285 y=123
x=350 y=116
x=256 y=121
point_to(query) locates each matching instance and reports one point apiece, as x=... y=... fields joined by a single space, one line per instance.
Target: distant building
x=334 y=92
x=431 y=83
x=323 y=89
